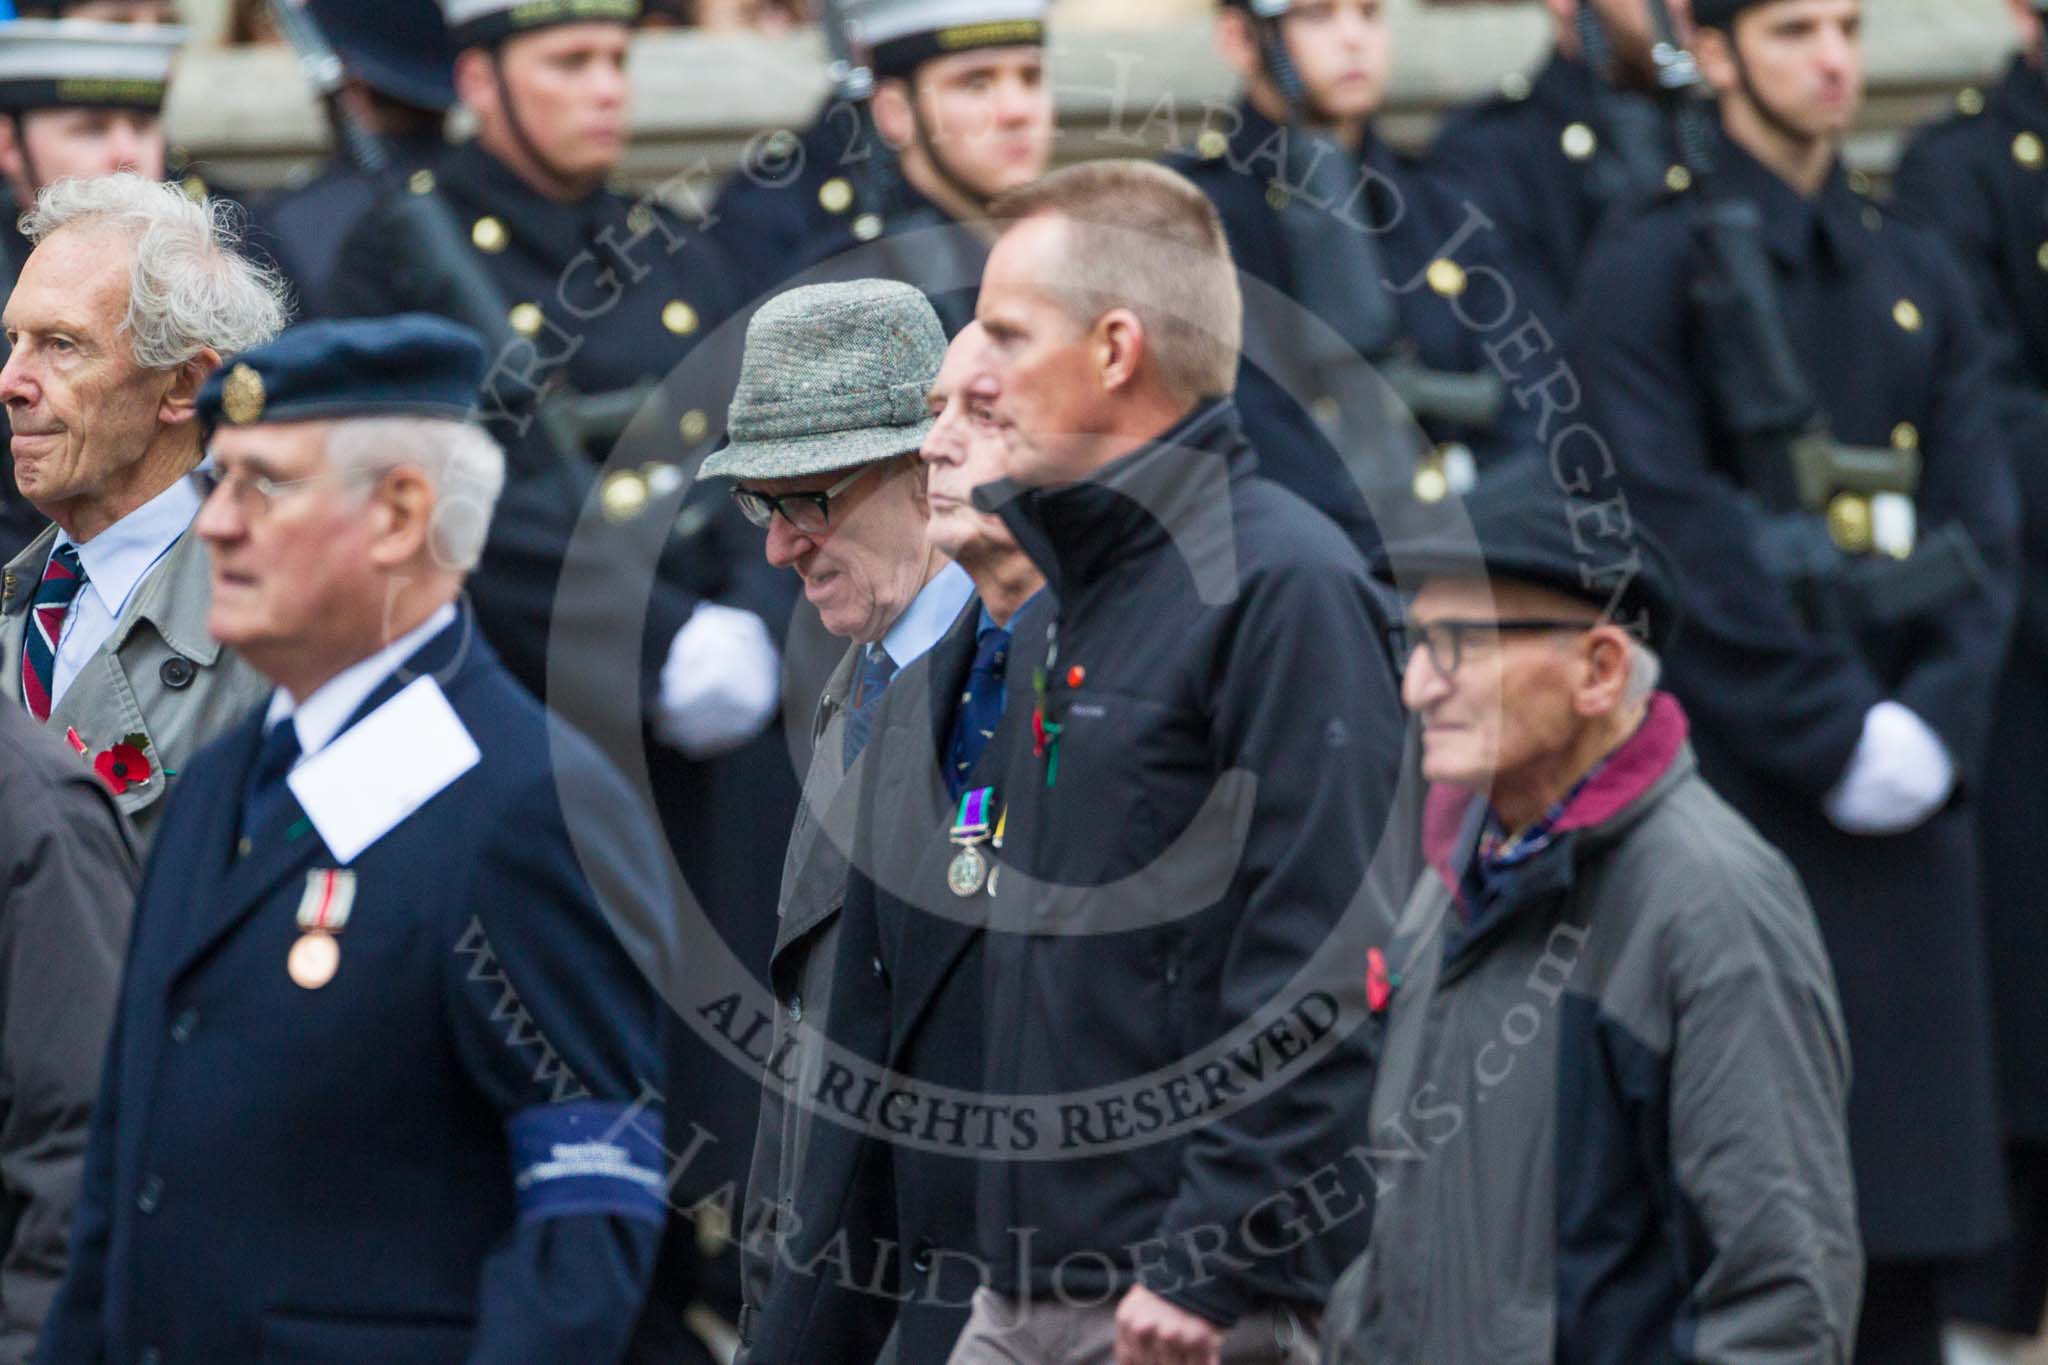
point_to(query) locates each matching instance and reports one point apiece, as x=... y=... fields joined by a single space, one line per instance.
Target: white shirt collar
x=930 y=615
x=319 y=718
x=120 y=557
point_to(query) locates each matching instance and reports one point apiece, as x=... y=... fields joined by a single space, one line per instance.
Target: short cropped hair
x=462 y=462
x=190 y=287
x=1144 y=238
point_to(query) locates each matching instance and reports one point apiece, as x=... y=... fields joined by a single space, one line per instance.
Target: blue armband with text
x=587 y=1157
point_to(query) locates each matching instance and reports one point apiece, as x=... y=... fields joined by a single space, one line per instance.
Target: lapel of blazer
x=814 y=869
x=18 y=584
x=291 y=842
x=175 y=598
x=100 y=703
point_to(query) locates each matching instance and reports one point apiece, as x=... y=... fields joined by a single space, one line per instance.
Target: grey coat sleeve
x=1759 y=1130
x=71 y=876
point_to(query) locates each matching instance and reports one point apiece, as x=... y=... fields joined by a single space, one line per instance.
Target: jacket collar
x=174 y=597
x=1175 y=486
x=1631 y=779
x=1564 y=89
x=2022 y=97
x=555 y=231
x=1260 y=144
x=455 y=656
x=1795 y=227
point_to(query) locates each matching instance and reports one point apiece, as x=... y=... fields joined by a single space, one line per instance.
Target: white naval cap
x=482 y=23
x=79 y=63
x=904 y=34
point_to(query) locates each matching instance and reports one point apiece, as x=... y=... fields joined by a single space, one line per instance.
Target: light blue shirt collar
x=120 y=557
x=930 y=615
x=320 y=717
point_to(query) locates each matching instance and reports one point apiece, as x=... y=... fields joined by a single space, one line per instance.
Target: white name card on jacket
x=383 y=768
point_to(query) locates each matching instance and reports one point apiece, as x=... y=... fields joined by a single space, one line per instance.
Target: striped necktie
x=63 y=576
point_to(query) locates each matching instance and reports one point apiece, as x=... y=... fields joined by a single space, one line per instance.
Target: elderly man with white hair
x=131 y=298
x=385 y=1080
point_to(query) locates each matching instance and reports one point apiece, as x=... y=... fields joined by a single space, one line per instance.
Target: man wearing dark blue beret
x=380 y=1088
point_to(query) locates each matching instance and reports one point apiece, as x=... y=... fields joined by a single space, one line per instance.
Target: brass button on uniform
x=867 y=227
x=1678 y=179
x=1907 y=314
x=1905 y=436
x=1278 y=198
x=1849 y=523
x=1446 y=277
x=640 y=220
x=1970 y=100
x=2041 y=256
x=1326 y=410
x=694 y=427
x=1514 y=87
x=1212 y=144
x=489 y=235
x=1431 y=483
x=2029 y=151
x=623 y=495
x=421 y=182
x=836 y=195
x=526 y=319
x=1579 y=141
x=195 y=188
x=679 y=317
x=1859 y=182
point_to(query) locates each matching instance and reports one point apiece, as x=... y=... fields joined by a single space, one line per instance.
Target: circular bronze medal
x=968 y=871
x=313 y=960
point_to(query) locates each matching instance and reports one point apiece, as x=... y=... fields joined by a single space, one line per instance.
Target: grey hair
x=462 y=462
x=1644 y=669
x=190 y=287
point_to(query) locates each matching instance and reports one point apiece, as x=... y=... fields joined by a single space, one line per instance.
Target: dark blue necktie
x=266 y=795
x=876 y=668
x=981 y=708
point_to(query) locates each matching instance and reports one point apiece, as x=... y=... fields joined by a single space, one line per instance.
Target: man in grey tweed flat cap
x=826 y=424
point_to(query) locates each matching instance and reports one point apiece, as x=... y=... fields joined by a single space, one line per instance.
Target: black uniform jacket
x=1885 y=329
x=1982 y=180
x=440 y=1155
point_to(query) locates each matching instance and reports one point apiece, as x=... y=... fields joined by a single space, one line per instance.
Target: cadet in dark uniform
x=961 y=100
x=1981 y=177
x=76 y=99
x=1841 y=698
x=1386 y=270
x=1552 y=154
x=379 y=1078
x=609 y=291
x=401 y=77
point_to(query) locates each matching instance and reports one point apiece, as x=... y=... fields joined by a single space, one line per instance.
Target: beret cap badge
x=242 y=397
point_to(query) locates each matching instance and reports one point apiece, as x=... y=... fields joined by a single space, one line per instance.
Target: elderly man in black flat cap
x=1610 y=1107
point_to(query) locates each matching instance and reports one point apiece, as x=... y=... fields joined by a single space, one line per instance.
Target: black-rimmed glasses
x=1445 y=641
x=810 y=513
